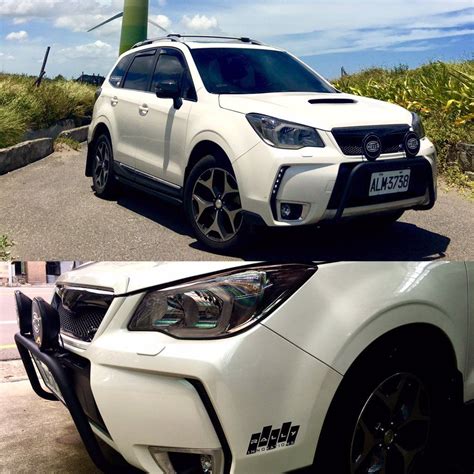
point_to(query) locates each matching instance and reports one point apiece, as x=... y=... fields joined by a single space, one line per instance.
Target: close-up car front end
x=164 y=375
x=200 y=368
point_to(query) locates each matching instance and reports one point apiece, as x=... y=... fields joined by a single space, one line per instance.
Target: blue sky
x=327 y=34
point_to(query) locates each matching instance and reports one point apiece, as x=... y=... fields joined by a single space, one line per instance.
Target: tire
x=357 y=412
x=212 y=204
x=103 y=178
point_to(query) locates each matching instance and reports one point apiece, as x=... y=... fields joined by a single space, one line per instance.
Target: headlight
x=219 y=305
x=417 y=125
x=283 y=134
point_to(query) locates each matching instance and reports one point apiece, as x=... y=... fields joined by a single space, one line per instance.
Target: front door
x=163 y=130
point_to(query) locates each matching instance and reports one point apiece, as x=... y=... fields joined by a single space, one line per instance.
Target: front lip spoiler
x=25 y=347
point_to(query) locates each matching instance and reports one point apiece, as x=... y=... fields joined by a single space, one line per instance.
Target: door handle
x=143 y=109
x=113 y=101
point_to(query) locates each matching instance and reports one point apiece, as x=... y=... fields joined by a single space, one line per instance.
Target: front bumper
x=153 y=391
x=318 y=179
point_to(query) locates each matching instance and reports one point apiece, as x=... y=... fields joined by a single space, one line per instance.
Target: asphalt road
x=8 y=324
x=50 y=211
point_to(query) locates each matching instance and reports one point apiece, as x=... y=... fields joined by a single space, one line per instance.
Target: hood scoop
x=334 y=100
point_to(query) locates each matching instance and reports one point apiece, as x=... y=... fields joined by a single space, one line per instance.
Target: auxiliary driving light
x=45 y=324
x=23 y=312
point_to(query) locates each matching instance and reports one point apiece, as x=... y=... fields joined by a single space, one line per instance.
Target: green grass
x=6 y=245
x=68 y=142
x=442 y=93
x=23 y=106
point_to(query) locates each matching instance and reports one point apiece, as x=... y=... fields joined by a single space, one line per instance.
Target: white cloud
x=21 y=20
x=98 y=50
x=162 y=3
x=17 y=36
x=162 y=20
x=200 y=24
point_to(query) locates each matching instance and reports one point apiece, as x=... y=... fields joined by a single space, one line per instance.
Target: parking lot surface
x=50 y=211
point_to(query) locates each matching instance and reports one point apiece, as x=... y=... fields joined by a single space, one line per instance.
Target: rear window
x=119 y=71
x=139 y=74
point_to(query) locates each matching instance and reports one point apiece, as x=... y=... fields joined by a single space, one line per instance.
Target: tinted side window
x=171 y=65
x=119 y=71
x=138 y=75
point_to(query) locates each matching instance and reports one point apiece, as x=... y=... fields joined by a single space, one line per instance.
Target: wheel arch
x=435 y=346
x=201 y=149
x=99 y=128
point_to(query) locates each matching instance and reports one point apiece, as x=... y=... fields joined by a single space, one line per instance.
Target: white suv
x=245 y=134
x=194 y=368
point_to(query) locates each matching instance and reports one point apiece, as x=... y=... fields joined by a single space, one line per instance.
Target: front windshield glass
x=254 y=71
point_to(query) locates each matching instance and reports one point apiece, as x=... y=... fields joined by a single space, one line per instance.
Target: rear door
x=163 y=128
x=130 y=112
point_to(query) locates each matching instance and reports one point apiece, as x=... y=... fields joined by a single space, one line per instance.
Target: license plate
x=47 y=377
x=388 y=182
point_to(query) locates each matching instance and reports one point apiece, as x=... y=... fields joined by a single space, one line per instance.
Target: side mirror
x=169 y=89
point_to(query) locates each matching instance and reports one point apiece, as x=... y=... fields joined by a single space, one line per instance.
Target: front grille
x=350 y=139
x=81 y=311
x=82 y=324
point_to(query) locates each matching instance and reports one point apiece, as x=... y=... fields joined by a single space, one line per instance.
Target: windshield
x=254 y=71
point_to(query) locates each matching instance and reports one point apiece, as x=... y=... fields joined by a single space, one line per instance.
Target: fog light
x=206 y=463
x=291 y=212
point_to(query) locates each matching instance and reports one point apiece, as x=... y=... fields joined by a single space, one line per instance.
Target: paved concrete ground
x=8 y=323
x=39 y=436
x=49 y=209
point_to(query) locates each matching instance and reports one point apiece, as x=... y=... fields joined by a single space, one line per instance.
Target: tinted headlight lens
x=282 y=134
x=219 y=305
x=417 y=125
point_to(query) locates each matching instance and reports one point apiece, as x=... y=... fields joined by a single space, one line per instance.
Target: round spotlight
x=412 y=144
x=45 y=324
x=23 y=312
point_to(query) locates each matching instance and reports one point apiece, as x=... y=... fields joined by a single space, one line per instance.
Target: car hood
x=325 y=111
x=124 y=277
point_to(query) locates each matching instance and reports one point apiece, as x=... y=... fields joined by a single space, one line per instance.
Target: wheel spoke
x=208 y=183
x=368 y=444
x=202 y=205
x=232 y=215
x=408 y=455
x=215 y=227
x=228 y=189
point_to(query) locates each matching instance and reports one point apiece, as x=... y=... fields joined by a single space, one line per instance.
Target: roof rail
x=179 y=38
x=152 y=40
x=242 y=39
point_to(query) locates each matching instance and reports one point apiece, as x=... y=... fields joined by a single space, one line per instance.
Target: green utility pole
x=134 y=23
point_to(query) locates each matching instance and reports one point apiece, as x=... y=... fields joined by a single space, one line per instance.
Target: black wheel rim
x=102 y=164
x=392 y=430
x=216 y=206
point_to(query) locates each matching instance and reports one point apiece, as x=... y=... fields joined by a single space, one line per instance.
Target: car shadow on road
x=346 y=241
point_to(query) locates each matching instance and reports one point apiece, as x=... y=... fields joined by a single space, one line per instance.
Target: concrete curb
x=24 y=153
x=78 y=134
